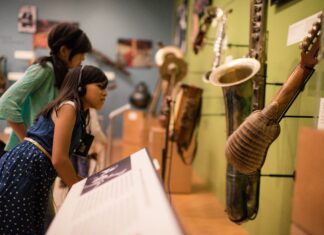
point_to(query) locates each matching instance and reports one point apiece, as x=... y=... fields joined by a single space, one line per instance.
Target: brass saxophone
x=218 y=45
x=243 y=84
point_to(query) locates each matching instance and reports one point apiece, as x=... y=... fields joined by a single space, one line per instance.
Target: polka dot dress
x=26 y=176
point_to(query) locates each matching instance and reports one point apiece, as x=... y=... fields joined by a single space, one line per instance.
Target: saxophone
x=218 y=45
x=243 y=84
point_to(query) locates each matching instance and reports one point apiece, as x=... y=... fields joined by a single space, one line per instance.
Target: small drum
x=186 y=114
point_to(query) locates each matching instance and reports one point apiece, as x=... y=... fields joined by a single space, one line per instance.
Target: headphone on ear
x=81 y=88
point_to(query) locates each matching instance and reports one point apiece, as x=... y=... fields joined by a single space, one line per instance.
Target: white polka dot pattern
x=26 y=176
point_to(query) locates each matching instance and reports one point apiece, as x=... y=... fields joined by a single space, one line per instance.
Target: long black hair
x=76 y=78
x=71 y=36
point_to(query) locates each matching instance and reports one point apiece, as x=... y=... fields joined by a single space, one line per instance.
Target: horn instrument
x=243 y=85
x=218 y=45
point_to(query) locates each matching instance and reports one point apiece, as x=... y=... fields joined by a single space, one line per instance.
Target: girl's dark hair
x=71 y=36
x=79 y=76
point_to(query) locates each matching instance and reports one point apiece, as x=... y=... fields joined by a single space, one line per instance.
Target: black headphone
x=81 y=88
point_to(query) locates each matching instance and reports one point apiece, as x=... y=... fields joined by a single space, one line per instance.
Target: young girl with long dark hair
x=42 y=80
x=28 y=171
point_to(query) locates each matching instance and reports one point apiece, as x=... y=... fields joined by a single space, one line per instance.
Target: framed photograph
x=107 y=174
x=134 y=52
x=27 y=19
x=43 y=28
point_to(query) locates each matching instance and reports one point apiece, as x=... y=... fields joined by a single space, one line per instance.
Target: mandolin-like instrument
x=247 y=147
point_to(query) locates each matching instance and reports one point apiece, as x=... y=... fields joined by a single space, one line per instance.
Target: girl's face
x=75 y=61
x=95 y=96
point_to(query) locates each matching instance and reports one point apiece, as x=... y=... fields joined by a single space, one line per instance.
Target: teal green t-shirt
x=27 y=96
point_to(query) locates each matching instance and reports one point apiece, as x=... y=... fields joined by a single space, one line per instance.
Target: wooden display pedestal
x=180 y=179
x=308 y=203
x=135 y=131
x=140 y=131
x=136 y=125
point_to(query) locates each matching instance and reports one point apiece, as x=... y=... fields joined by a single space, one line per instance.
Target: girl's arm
x=64 y=123
x=19 y=128
x=12 y=100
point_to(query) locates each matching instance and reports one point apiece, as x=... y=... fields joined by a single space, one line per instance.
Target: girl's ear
x=64 y=53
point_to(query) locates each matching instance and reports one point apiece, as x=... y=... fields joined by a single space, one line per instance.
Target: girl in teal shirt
x=40 y=84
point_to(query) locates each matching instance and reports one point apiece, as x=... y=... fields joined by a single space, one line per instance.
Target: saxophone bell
x=235 y=79
x=235 y=72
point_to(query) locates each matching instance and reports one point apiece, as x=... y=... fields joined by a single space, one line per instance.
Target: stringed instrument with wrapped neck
x=247 y=147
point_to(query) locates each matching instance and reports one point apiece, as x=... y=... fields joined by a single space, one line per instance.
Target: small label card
x=299 y=30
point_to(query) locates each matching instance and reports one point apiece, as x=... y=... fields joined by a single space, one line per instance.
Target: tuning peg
x=309 y=37
x=304 y=44
x=318 y=21
x=301 y=47
x=314 y=28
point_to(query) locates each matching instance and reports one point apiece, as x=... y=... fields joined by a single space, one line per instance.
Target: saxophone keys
x=257 y=17
x=255 y=36
x=256 y=27
x=257 y=8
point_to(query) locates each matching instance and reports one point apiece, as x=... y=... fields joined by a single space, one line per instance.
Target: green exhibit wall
x=274 y=215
